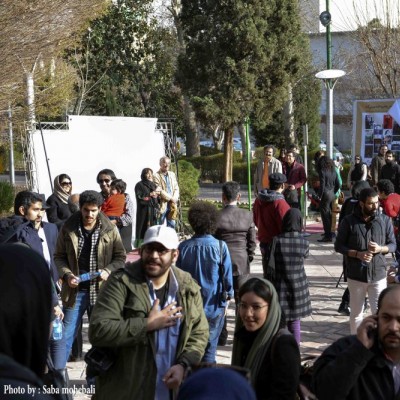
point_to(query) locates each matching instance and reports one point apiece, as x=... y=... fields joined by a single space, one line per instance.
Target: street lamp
x=329 y=77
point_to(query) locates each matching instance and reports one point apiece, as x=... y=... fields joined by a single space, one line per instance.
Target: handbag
x=99 y=360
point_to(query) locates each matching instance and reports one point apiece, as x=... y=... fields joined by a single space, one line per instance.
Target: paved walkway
x=323 y=268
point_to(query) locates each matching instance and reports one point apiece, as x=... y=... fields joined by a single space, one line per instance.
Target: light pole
x=329 y=77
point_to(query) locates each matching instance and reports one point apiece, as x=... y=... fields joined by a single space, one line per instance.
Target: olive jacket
x=119 y=321
x=110 y=252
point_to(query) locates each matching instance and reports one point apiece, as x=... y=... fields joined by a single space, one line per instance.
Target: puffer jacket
x=119 y=321
x=354 y=234
x=110 y=252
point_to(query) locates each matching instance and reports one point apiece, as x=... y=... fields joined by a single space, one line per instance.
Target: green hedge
x=7 y=194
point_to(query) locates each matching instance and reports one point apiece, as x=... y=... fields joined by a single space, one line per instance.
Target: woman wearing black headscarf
x=269 y=352
x=286 y=271
x=147 y=203
x=59 y=211
x=25 y=314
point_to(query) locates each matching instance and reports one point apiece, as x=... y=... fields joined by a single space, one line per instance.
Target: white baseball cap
x=162 y=234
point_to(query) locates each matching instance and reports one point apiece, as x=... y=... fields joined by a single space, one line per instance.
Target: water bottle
x=88 y=276
x=57 y=328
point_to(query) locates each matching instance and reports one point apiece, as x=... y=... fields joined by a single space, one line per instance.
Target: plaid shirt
x=94 y=283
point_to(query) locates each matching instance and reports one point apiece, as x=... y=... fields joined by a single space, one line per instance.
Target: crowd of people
x=155 y=323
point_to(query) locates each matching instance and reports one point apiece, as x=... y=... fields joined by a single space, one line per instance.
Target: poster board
x=90 y=144
x=374 y=125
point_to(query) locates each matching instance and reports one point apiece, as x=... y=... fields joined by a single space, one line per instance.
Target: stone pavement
x=325 y=325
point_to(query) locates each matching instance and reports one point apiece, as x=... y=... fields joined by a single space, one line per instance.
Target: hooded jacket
x=269 y=209
x=119 y=321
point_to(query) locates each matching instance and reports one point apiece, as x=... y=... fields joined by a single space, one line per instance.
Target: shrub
x=6 y=197
x=188 y=181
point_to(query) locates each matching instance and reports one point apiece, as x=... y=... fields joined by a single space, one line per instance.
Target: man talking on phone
x=364 y=237
x=365 y=366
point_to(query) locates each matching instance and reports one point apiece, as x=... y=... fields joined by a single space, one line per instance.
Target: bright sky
x=347 y=14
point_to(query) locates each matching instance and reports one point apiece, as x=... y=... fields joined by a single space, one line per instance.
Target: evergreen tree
x=239 y=60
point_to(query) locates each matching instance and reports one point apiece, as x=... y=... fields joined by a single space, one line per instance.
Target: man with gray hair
x=169 y=194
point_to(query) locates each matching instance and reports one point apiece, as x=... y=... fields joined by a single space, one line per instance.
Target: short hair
x=389 y=152
x=383 y=145
x=385 y=186
x=257 y=286
x=90 y=197
x=145 y=171
x=357 y=187
x=367 y=192
x=164 y=158
x=274 y=185
x=270 y=146
x=292 y=147
x=119 y=184
x=203 y=217
x=25 y=199
x=108 y=172
x=231 y=190
x=318 y=155
x=292 y=152
x=384 y=292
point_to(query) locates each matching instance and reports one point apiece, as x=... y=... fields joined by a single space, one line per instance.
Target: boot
x=344 y=308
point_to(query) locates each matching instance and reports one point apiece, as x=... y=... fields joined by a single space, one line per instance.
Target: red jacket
x=268 y=212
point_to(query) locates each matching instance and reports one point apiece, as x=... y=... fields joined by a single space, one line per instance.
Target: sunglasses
x=66 y=183
x=104 y=180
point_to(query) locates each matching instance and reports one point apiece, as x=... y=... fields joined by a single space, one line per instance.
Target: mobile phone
x=372 y=332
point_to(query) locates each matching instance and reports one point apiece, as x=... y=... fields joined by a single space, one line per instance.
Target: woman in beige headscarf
x=59 y=211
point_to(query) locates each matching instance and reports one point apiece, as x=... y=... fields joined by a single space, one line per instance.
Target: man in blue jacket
x=208 y=261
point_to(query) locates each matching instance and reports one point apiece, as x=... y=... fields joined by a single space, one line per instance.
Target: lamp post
x=329 y=77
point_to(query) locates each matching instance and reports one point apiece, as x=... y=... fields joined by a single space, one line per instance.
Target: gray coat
x=236 y=228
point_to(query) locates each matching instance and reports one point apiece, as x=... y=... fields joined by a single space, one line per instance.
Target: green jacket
x=110 y=252
x=119 y=321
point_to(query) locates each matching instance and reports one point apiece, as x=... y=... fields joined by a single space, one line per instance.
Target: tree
x=37 y=31
x=126 y=63
x=238 y=61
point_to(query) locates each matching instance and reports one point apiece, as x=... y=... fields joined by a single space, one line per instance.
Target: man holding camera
x=208 y=261
x=365 y=366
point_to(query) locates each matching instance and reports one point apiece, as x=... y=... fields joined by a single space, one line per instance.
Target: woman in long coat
x=286 y=271
x=147 y=203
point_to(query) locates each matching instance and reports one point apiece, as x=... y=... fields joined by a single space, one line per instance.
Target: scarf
x=59 y=191
x=263 y=340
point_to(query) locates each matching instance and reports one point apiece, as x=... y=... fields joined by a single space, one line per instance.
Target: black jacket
x=391 y=171
x=347 y=370
x=354 y=234
x=58 y=212
x=328 y=181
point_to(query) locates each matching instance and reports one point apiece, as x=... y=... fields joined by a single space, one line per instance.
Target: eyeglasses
x=150 y=249
x=66 y=183
x=104 y=180
x=254 y=308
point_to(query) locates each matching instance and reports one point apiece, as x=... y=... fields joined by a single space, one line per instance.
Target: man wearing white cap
x=151 y=315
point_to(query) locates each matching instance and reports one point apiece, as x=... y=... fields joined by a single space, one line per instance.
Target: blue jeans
x=215 y=327
x=170 y=222
x=72 y=320
x=57 y=352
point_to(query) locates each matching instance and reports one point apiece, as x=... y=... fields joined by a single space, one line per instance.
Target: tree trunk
x=189 y=120
x=288 y=117
x=242 y=132
x=228 y=154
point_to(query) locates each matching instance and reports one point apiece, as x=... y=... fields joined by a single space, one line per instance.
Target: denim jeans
x=57 y=352
x=170 y=222
x=72 y=319
x=215 y=327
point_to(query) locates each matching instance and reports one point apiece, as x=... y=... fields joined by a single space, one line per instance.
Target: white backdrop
x=125 y=145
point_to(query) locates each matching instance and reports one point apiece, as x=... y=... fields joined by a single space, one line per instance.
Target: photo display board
x=375 y=124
